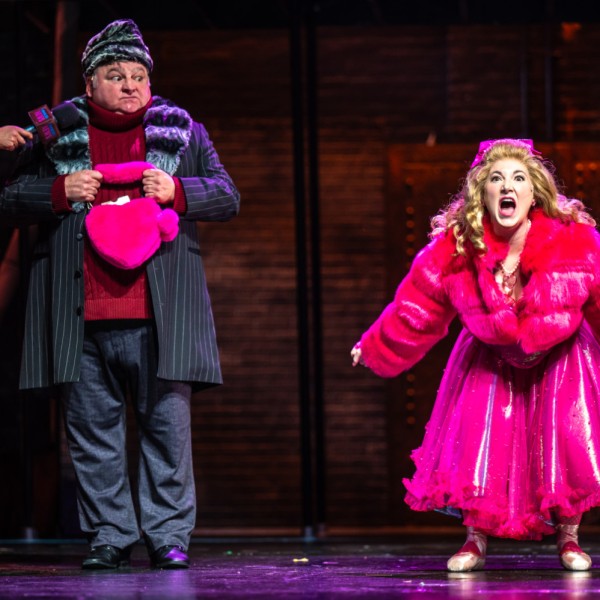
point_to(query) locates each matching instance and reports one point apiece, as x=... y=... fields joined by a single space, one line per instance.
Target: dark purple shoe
x=170 y=557
x=106 y=557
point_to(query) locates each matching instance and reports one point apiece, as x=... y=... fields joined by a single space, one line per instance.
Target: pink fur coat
x=560 y=265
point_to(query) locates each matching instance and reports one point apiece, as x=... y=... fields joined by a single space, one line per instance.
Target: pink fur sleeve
x=414 y=321
x=592 y=307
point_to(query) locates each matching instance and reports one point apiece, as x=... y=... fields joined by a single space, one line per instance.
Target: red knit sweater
x=110 y=292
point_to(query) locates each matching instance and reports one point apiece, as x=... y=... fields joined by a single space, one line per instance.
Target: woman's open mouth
x=508 y=206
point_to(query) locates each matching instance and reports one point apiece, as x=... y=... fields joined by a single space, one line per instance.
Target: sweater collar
x=108 y=120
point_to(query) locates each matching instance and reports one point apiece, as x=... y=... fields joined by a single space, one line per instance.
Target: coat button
x=79 y=237
x=79 y=311
x=77 y=274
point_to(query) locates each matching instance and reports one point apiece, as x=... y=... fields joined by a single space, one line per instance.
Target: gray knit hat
x=119 y=40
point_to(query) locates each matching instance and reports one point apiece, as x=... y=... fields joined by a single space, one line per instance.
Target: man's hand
x=82 y=186
x=158 y=185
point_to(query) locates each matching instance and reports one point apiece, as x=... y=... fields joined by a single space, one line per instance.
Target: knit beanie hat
x=119 y=40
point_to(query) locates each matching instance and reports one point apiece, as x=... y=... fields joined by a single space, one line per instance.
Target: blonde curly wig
x=464 y=214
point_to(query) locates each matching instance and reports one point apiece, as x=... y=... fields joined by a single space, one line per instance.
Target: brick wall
x=378 y=86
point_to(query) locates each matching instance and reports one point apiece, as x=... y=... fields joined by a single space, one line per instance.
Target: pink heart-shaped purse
x=126 y=235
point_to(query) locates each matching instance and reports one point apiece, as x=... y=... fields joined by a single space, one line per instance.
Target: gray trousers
x=119 y=362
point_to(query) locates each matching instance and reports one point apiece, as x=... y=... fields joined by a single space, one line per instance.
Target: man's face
x=122 y=87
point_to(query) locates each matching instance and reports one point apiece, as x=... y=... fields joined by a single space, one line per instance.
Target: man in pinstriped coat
x=104 y=333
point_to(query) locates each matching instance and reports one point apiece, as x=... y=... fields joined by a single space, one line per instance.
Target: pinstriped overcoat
x=53 y=337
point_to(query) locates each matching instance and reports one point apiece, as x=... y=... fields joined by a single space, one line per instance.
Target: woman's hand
x=356 y=354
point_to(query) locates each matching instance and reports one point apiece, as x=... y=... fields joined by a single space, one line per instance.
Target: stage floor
x=392 y=568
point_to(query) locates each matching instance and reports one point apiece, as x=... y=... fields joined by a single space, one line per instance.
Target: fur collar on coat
x=561 y=268
x=167 y=127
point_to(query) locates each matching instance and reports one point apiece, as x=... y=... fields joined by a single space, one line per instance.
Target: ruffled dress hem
x=513 y=450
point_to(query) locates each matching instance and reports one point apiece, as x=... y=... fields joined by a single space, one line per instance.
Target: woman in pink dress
x=513 y=442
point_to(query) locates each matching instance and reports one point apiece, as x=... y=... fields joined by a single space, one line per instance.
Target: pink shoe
x=468 y=558
x=573 y=558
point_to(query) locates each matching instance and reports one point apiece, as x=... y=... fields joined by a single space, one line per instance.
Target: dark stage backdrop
x=401 y=112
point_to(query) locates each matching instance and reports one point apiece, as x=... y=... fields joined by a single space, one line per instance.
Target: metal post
x=315 y=237
x=302 y=293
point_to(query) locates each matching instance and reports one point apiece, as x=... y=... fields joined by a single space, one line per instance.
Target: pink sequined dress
x=513 y=439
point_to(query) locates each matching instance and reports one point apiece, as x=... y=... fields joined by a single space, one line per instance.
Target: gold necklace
x=509 y=278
